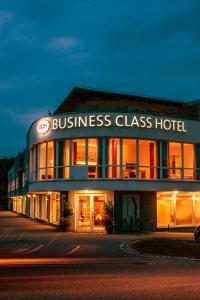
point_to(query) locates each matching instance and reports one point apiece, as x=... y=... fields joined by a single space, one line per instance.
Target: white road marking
x=21 y=235
x=73 y=250
x=36 y=249
x=23 y=248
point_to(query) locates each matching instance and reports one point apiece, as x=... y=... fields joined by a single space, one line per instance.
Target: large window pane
x=147 y=159
x=164 y=212
x=78 y=152
x=92 y=158
x=114 y=158
x=50 y=162
x=42 y=161
x=66 y=158
x=129 y=158
x=175 y=160
x=197 y=212
x=189 y=161
x=183 y=212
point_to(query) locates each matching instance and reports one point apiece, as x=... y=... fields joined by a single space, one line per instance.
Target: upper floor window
x=181 y=161
x=147 y=159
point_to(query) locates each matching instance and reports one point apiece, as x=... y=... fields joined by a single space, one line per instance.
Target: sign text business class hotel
x=109 y=120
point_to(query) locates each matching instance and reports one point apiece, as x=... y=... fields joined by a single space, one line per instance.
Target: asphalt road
x=37 y=262
x=102 y=281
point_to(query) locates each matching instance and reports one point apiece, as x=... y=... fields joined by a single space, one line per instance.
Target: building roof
x=92 y=100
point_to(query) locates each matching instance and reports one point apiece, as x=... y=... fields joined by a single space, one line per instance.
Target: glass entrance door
x=90 y=212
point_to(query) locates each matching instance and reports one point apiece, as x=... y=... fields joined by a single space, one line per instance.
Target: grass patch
x=168 y=247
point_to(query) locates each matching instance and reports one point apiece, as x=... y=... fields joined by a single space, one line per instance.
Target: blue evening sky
x=48 y=47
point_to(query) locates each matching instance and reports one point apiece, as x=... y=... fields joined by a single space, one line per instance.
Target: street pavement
x=38 y=262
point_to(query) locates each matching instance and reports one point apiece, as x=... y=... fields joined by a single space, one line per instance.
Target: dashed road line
x=73 y=250
x=35 y=249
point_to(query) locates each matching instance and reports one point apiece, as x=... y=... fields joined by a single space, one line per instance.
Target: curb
x=125 y=247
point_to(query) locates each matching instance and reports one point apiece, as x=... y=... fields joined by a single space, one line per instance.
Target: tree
x=5 y=165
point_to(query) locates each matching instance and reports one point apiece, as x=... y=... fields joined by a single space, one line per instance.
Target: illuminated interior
x=178 y=208
x=66 y=159
x=147 y=159
x=78 y=152
x=181 y=156
x=91 y=211
x=189 y=161
x=175 y=160
x=124 y=158
x=129 y=158
x=50 y=160
x=42 y=161
x=92 y=158
x=114 y=158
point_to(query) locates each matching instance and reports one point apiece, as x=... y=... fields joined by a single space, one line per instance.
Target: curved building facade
x=140 y=153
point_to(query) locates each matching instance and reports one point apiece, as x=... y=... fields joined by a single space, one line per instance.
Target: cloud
x=5 y=16
x=63 y=43
x=5 y=85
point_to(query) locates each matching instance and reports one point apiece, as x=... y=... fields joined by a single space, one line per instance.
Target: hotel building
x=140 y=153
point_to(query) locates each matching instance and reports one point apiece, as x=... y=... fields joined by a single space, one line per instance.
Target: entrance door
x=90 y=212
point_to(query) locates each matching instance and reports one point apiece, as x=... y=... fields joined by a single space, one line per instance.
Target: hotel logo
x=43 y=126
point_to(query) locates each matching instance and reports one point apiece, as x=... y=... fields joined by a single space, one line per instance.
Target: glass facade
x=113 y=158
x=178 y=209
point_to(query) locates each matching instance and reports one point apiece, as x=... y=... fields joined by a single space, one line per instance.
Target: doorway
x=90 y=212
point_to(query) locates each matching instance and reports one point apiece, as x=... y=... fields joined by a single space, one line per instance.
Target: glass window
x=50 y=162
x=197 y=212
x=189 y=161
x=164 y=212
x=129 y=158
x=174 y=160
x=92 y=158
x=42 y=161
x=147 y=159
x=114 y=158
x=184 y=208
x=78 y=152
x=66 y=158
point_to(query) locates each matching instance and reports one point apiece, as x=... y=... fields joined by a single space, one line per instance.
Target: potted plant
x=108 y=218
x=65 y=219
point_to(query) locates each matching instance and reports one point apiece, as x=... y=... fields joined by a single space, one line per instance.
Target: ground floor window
x=178 y=209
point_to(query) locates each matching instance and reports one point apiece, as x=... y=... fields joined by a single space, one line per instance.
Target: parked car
x=197 y=234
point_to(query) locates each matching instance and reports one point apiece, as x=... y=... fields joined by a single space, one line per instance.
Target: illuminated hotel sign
x=43 y=126
x=109 y=120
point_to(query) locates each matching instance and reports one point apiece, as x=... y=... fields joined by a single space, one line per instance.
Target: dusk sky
x=150 y=47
